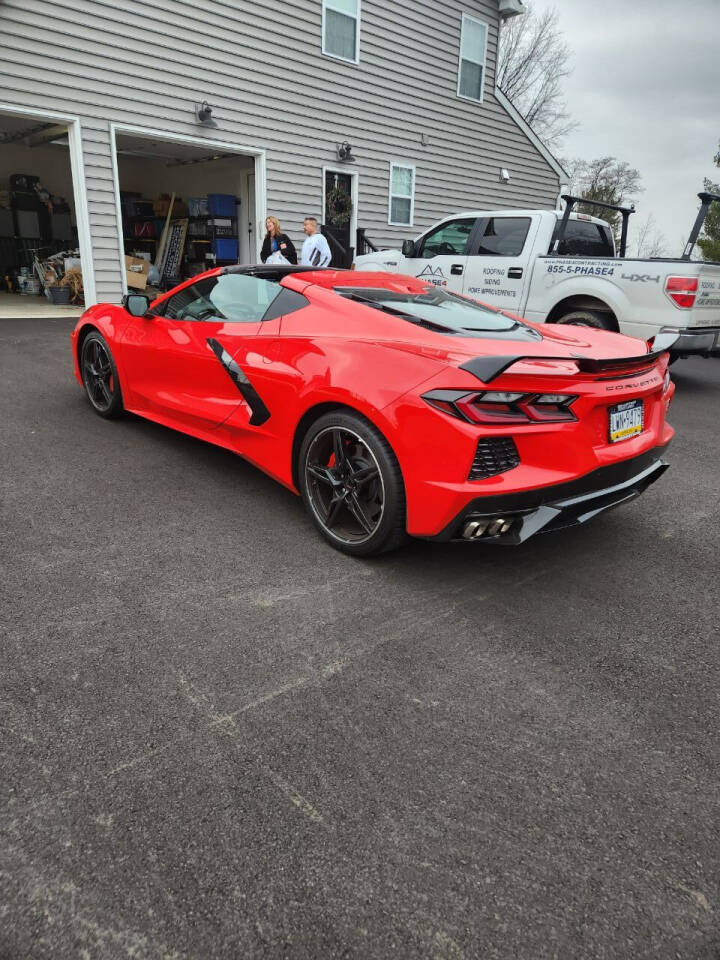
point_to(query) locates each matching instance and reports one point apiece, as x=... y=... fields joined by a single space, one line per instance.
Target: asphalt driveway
x=220 y=738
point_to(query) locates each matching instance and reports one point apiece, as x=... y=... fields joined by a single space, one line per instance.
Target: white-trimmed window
x=341 y=29
x=471 y=69
x=401 y=207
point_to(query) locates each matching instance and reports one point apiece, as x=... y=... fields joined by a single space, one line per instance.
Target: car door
x=499 y=260
x=442 y=255
x=185 y=363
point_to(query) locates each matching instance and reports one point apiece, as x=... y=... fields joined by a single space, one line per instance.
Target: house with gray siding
x=392 y=103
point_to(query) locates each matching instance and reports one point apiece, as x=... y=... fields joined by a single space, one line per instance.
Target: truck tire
x=588 y=318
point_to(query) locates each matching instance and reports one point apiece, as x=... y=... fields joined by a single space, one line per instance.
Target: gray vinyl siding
x=149 y=67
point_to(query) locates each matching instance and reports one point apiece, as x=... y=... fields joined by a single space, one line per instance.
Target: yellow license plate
x=626 y=420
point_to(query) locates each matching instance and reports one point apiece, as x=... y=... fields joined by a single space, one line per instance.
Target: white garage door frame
x=77 y=170
x=217 y=146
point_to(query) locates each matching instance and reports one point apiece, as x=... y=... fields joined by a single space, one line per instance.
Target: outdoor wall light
x=511 y=8
x=203 y=114
x=344 y=152
x=504 y=175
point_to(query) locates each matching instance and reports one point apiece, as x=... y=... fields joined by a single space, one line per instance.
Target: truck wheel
x=588 y=318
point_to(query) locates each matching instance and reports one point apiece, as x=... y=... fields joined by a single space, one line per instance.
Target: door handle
x=515 y=273
x=456 y=268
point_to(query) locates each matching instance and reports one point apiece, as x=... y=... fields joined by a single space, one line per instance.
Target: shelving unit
x=212 y=237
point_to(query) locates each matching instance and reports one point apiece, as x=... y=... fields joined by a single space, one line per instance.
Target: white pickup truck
x=562 y=267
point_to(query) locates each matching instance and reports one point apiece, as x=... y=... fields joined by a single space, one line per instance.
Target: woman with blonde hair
x=277 y=242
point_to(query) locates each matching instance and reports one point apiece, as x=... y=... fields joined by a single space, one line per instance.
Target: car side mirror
x=136 y=304
x=408 y=248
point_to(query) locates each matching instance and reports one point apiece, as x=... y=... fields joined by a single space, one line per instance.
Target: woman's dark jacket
x=288 y=251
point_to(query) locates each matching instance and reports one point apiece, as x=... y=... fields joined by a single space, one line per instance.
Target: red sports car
x=392 y=406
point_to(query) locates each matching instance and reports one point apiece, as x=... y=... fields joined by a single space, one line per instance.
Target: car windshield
x=440 y=310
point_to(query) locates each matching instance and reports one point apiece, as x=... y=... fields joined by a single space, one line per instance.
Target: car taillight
x=498 y=407
x=682 y=290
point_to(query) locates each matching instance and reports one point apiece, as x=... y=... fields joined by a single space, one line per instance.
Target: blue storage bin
x=225 y=248
x=221 y=205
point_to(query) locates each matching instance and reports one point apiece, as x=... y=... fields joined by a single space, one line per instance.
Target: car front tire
x=100 y=377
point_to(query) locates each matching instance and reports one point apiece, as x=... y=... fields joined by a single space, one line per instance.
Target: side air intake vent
x=494 y=455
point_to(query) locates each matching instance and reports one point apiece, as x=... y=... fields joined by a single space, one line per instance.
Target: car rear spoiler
x=489 y=368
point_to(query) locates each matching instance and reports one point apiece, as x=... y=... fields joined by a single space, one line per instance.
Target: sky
x=646 y=88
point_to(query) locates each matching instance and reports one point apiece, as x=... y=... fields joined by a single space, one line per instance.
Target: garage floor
x=222 y=739
x=13 y=305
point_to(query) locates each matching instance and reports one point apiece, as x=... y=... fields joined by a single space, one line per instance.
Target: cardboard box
x=136 y=272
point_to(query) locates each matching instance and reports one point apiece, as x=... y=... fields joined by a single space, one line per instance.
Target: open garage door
x=44 y=263
x=184 y=206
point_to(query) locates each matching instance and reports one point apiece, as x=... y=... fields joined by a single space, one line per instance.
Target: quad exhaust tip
x=486 y=528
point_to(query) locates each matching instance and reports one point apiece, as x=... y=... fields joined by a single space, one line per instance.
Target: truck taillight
x=682 y=291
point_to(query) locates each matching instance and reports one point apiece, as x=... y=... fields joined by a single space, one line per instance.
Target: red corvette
x=393 y=407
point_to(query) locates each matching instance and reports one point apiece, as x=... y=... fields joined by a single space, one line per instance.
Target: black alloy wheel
x=100 y=376
x=352 y=486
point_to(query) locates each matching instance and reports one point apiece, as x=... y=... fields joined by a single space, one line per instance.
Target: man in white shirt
x=315 y=249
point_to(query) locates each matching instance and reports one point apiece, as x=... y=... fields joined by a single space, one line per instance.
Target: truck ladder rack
x=570 y=203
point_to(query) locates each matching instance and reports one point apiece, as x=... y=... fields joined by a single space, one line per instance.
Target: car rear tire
x=100 y=377
x=352 y=486
x=588 y=318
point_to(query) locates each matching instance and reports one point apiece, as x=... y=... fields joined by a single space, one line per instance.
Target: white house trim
x=336 y=56
x=530 y=134
x=405 y=166
x=77 y=169
x=213 y=145
x=486 y=27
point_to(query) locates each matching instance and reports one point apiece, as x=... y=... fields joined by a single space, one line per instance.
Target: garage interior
x=184 y=208
x=40 y=271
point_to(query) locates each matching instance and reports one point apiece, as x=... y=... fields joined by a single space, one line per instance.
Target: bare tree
x=650 y=241
x=606 y=179
x=533 y=62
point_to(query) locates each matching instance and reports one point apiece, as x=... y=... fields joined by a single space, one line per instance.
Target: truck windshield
x=441 y=311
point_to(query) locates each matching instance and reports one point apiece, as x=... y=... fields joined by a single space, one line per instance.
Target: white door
x=498 y=265
x=250 y=221
x=442 y=255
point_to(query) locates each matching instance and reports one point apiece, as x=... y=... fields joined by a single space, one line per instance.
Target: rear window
x=504 y=237
x=441 y=311
x=586 y=239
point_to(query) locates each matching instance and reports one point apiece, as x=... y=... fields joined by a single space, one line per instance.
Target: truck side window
x=586 y=239
x=448 y=239
x=504 y=237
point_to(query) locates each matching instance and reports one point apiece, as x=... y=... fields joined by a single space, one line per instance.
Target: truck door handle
x=514 y=273
x=456 y=268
